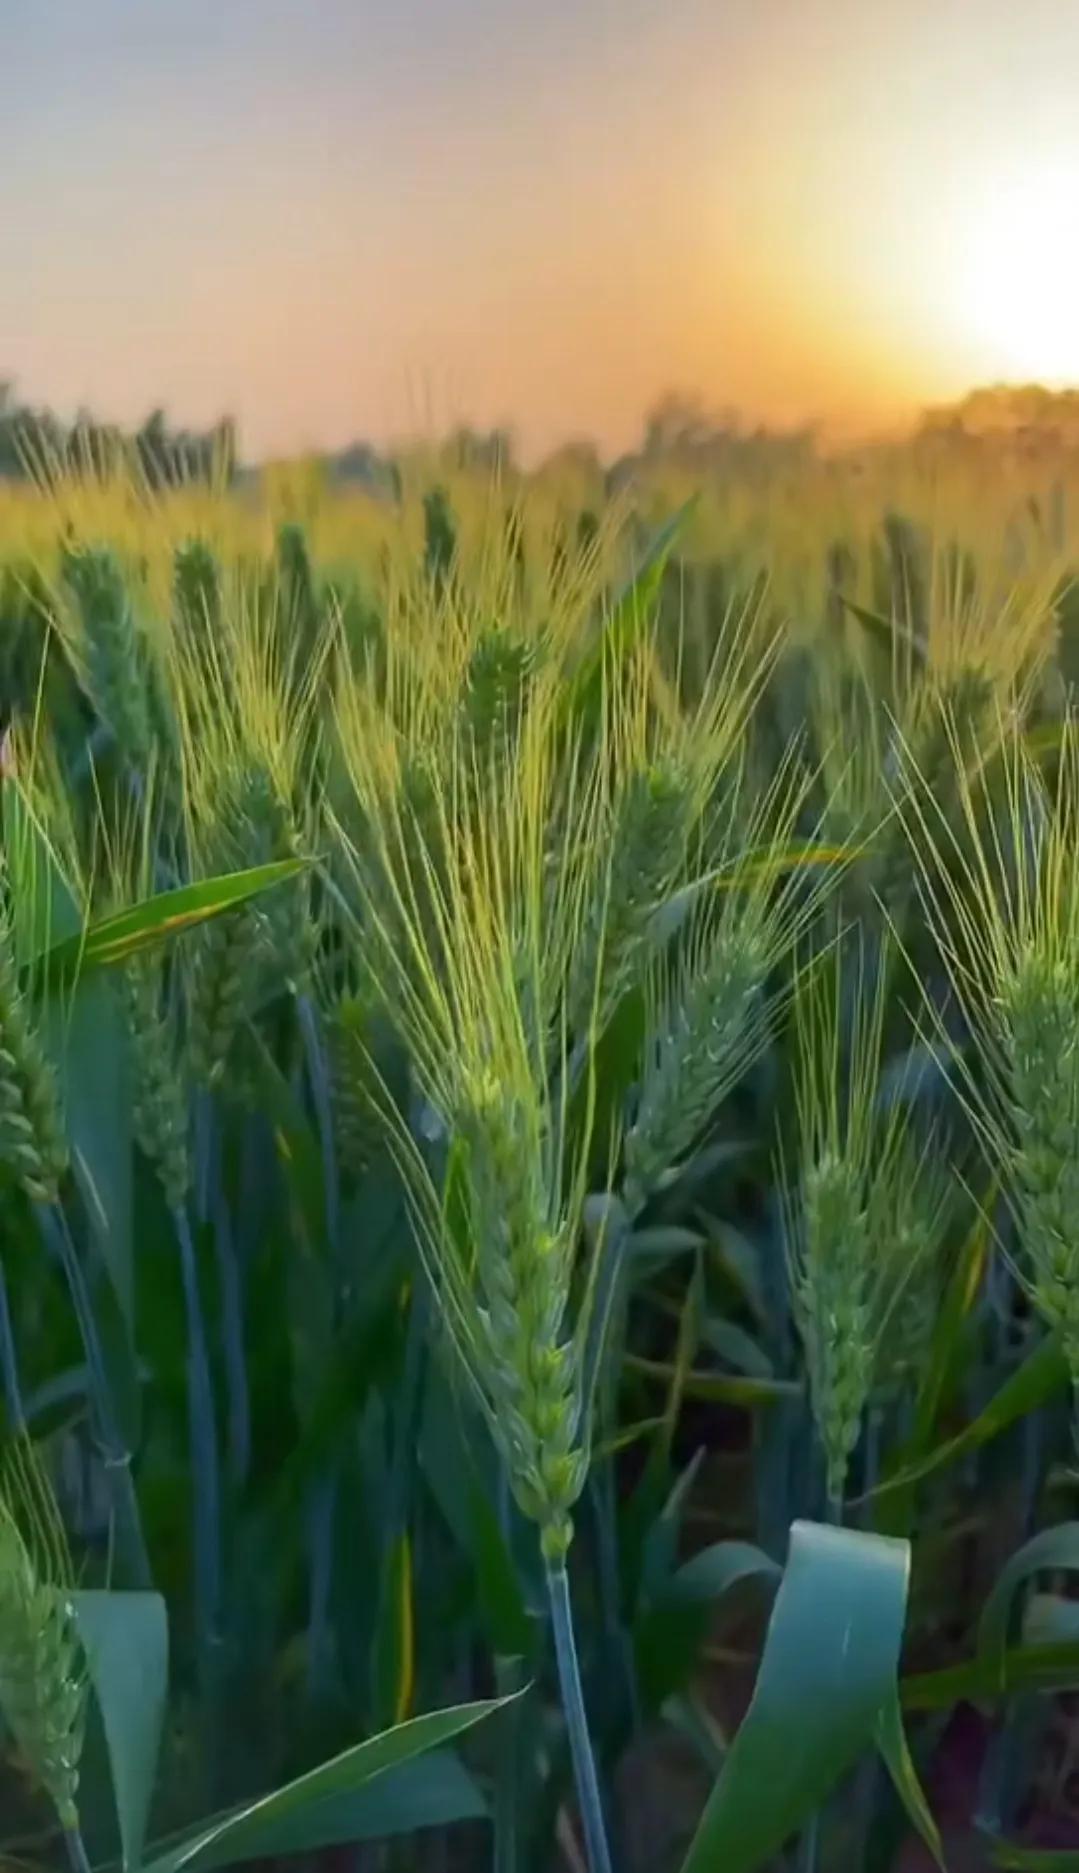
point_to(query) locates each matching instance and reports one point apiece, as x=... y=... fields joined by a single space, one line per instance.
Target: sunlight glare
x=1021 y=279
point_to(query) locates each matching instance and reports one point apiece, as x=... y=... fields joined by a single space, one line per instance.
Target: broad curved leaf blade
x=1050 y=1619
x=126 y=1641
x=827 y=1674
x=715 y=1570
x=678 y=1614
x=1053 y=1548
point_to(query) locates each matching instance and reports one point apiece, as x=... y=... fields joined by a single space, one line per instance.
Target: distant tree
x=1027 y=416
x=36 y=438
x=361 y=462
x=488 y=451
x=152 y=447
x=440 y=536
x=680 y=429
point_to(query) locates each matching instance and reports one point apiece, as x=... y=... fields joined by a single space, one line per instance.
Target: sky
x=337 y=218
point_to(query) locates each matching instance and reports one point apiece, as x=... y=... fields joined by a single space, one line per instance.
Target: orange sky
x=337 y=218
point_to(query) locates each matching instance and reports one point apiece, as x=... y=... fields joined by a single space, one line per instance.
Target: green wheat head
x=353 y=1040
x=708 y=1013
x=468 y=935
x=33 y=1139
x=869 y=1205
x=159 y=1095
x=662 y=776
x=110 y=650
x=1002 y=896
x=250 y=792
x=43 y=1686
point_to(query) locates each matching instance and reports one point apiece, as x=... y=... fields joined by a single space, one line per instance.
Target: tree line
x=35 y=441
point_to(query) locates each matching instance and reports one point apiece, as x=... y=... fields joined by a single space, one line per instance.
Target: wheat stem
x=322 y=1507
x=206 y=1480
x=117 y=1458
x=76 y=1850
x=584 y=1762
x=618 y=1644
x=9 y=1364
x=604 y=1346
x=89 y=753
x=605 y=1303
x=204 y=1152
x=232 y=1339
x=319 y=1080
x=508 y=1681
x=874 y=1429
x=321 y=1526
x=58 y=1238
x=809 y=1845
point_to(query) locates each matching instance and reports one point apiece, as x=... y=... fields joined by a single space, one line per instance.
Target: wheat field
x=539 y=1124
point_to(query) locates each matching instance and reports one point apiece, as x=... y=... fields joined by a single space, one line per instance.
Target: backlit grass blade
x=1042 y=1376
x=629 y=616
x=1017 y=1859
x=1024 y=1668
x=115 y=939
x=894 y=1748
x=768 y=865
x=947 y=1340
x=255 y=1831
x=886 y=631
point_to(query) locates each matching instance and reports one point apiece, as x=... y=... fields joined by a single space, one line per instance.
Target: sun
x=1020 y=274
